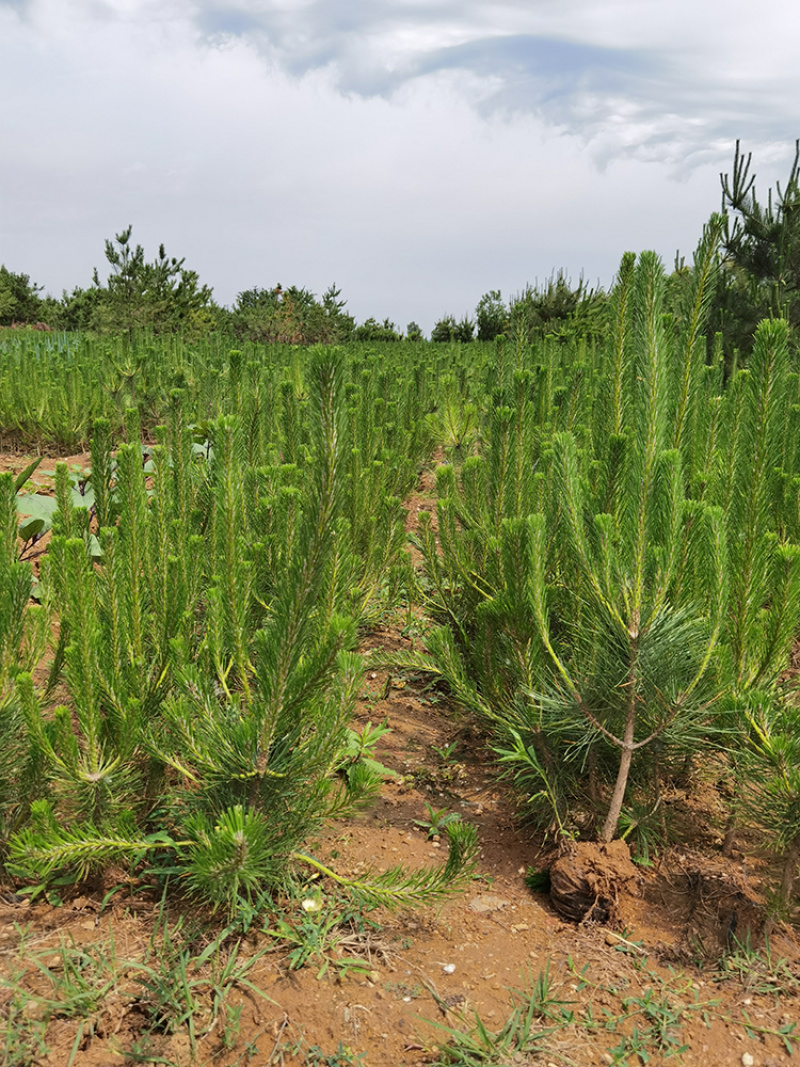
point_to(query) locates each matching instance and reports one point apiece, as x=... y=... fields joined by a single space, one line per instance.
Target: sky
x=416 y=153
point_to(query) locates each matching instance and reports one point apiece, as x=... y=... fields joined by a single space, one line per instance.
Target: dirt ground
x=666 y=982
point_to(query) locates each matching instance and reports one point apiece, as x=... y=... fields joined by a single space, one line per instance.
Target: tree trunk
x=610 y=825
x=617 y=797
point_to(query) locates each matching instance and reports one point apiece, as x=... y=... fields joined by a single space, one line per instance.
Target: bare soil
x=661 y=973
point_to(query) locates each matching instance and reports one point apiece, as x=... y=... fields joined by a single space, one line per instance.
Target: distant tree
x=414 y=332
x=372 y=330
x=162 y=295
x=292 y=316
x=77 y=310
x=556 y=308
x=19 y=298
x=447 y=329
x=764 y=239
x=465 y=331
x=444 y=330
x=491 y=315
x=342 y=324
x=760 y=246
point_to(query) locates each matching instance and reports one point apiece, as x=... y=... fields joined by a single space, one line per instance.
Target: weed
x=78 y=980
x=759 y=970
x=327 y=937
x=80 y=977
x=643 y=824
x=538 y=881
x=656 y=1014
x=523 y=1032
x=437 y=820
x=360 y=749
x=662 y=1020
x=310 y=1055
x=179 y=989
x=785 y=1032
x=446 y=752
x=23 y=1031
x=342 y=1057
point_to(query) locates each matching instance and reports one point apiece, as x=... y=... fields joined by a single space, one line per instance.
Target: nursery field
x=403 y=703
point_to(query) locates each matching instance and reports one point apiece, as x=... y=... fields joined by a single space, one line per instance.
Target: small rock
x=449 y=968
x=748 y=1060
x=487 y=902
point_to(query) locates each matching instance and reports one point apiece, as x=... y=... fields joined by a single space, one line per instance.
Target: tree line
x=759 y=255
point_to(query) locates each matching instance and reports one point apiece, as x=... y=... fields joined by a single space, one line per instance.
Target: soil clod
x=589 y=881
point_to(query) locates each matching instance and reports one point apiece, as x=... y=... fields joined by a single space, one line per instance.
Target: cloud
x=641 y=79
x=635 y=77
x=416 y=153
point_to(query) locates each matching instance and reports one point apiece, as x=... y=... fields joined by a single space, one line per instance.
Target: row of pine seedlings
x=192 y=725
x=612 y=578
x=616 y=581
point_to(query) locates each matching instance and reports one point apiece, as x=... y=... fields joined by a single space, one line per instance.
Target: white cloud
x=416 y=153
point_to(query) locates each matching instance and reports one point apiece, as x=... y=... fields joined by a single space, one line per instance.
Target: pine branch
x=400 y=888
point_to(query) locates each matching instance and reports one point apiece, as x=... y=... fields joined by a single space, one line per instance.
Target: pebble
x=748 y=1060
x=486 y=903
x=449 y=968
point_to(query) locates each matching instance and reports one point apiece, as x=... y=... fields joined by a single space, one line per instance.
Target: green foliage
x=291 y=316
x=537 y=311
x=161 y=295
x=770 y=779
x=372 y=330
x=615 y=572
x=206 y=635
x=19 y=298
x=535 y=1015
x=491 y=316
x=760 y=246
x=761 y=971
x=329 y=935
x=612 y=570
x=436 y=821
x=179 y=988
x=447 y=329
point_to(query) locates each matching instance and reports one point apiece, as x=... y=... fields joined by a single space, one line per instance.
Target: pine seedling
x=760 y=637
x=770 y=778
x=592 y=625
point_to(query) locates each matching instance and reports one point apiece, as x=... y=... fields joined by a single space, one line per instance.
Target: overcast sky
x=415 y=152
